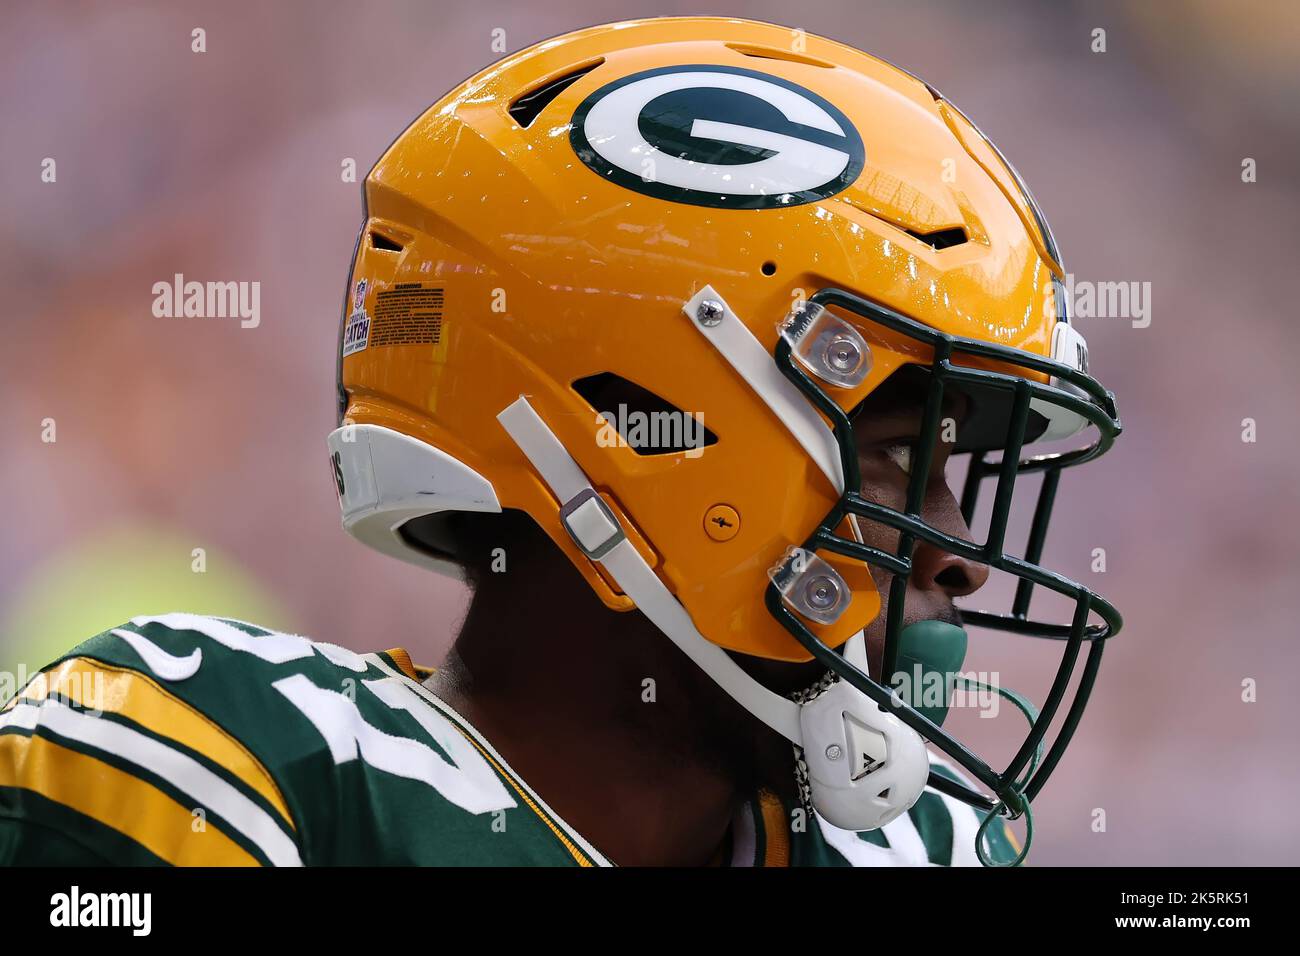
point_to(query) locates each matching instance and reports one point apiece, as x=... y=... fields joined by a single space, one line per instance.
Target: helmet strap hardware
x=827 y=346
x=591 y=524
x=709 y=313
x=810 y=586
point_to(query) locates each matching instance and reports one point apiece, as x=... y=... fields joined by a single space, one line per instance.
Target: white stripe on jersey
x=905 y=840
x=181 y=771
x=965 y=821
x=965 y=824
x=906 y=848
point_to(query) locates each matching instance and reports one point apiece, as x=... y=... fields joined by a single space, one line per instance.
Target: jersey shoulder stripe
x=295 y=752
x=146 y=704
x=68 y=748
x=40 y=780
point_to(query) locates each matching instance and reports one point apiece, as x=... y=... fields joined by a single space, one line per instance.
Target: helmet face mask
x=1072 y=391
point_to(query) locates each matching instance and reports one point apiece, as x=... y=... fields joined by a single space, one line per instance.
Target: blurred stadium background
x=179 y=434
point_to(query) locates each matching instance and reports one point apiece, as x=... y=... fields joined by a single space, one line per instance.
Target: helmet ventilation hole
x=775 y=53
x=645 y=422
x=383 y=243
x=526 y=108
x=769 y=268
x=940 y=239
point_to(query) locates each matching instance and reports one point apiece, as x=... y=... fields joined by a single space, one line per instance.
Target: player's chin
x=757 y=757
x=781 y=677
x=764 y=760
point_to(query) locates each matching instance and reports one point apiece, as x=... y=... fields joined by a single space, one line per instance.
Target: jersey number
x=467 y=780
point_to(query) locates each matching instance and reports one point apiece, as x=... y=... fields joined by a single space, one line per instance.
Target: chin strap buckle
x=591 y=524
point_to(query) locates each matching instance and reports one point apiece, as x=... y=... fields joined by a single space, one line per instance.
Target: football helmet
x=756 y=228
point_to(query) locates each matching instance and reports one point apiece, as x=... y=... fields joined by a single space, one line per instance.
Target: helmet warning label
x=410 y=313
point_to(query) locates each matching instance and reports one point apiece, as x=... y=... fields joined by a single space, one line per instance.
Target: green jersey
x=189 y=740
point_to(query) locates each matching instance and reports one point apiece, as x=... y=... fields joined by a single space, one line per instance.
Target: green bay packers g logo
x=717 y=136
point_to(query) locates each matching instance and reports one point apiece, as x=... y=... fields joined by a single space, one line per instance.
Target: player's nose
x=933 y=568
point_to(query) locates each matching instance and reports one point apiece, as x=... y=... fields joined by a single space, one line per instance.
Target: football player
x=660 y=335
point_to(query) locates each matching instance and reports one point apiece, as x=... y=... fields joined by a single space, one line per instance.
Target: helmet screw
x=822 y=593
x=709 y=312
x=721 y=522
x=843 y=354
x=834 y=752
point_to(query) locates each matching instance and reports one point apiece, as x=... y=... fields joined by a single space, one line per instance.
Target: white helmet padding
x=385 y=479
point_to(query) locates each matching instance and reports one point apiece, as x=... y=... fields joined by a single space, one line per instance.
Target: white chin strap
x=865 y=766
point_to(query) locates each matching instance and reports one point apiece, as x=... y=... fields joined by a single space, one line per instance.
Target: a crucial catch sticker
x=356 y=334
x=717 y=136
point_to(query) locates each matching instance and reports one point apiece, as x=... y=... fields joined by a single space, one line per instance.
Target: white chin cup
x=865 y=766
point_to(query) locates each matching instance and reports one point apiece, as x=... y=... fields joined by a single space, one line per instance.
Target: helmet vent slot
x=776 y=53
x=384 y=243
x=942 y=238
x=526 y=107
x=643 y=421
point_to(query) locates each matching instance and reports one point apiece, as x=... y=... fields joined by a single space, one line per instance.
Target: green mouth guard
x=930 y=653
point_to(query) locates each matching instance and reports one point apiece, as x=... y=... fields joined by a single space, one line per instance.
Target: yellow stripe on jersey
x=139 y=698
x=116 y=799
x=775 y=830
x=581 y=858
x=402 y=659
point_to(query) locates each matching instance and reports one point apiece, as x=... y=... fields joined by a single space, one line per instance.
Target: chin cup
x=865 y=766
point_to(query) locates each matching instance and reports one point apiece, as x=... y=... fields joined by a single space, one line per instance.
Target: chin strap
x=598 y=534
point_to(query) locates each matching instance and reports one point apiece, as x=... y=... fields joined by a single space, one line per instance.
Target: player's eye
x=900 y=455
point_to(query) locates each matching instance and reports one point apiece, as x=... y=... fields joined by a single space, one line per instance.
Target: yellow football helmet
x=748 y=228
